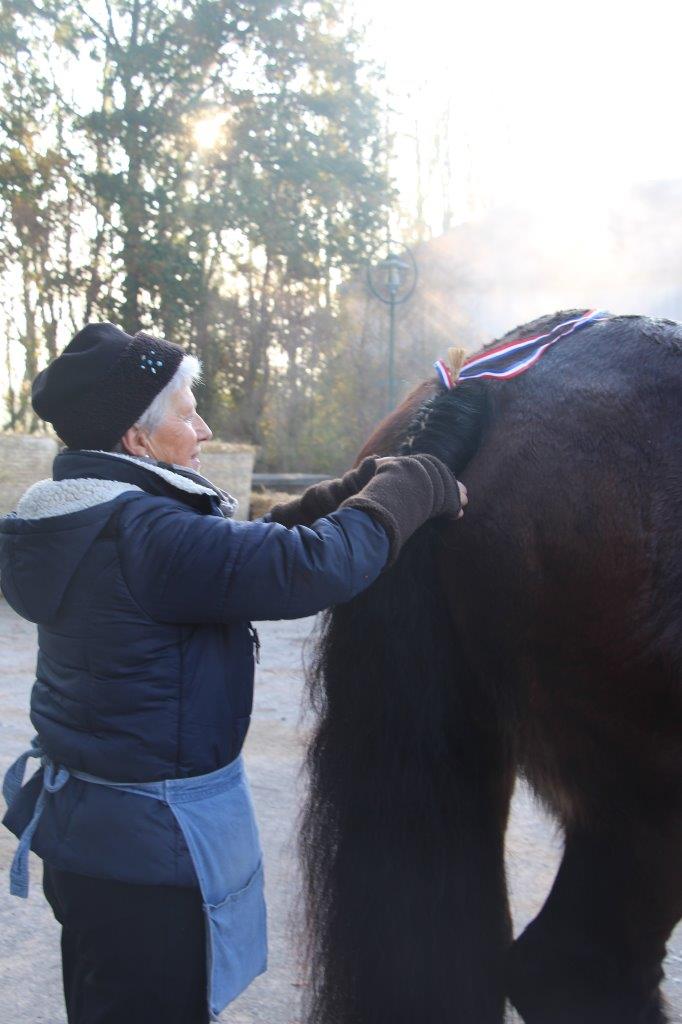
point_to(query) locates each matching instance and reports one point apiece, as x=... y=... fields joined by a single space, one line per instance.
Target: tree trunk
x=30 y=344
x=257 y=369
x=132 y=208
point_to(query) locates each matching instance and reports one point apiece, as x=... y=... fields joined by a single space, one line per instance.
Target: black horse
x=541 y=635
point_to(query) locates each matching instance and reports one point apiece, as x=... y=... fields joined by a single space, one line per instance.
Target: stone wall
x=24 y=459
x=230 y=466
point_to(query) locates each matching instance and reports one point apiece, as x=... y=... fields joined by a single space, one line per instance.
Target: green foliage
x=119 y=205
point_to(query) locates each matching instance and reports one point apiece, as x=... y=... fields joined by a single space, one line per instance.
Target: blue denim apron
x=215 y=814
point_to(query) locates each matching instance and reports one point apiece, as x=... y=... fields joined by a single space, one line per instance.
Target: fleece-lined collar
x=158 y=478
x=62 y=497
x=178 y=476
x=83 y=479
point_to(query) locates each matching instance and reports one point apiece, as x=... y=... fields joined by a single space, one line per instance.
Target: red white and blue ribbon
x=507 y=361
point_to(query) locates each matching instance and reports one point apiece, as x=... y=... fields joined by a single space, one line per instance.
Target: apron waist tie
x=53 y=780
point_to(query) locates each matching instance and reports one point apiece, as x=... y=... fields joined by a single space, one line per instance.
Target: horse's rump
x=566 y=572
x=542 y=631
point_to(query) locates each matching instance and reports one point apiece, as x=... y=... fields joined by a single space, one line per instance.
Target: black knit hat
x=102 y=383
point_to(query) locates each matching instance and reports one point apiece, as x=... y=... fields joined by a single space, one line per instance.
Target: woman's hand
x=405 y=492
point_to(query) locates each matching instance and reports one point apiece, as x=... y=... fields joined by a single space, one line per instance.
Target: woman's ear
x=134 y=441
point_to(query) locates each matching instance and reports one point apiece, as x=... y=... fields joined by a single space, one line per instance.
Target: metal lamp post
x=392 y=280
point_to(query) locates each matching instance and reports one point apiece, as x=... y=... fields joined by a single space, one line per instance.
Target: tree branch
x=99 y=29
x=110 y=19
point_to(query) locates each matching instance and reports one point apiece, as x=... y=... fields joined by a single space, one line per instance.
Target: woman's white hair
x=187 y=373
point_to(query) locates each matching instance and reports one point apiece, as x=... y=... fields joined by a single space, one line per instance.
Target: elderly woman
x=143 y=589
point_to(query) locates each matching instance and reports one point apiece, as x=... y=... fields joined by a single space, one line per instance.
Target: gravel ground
x=30 y=983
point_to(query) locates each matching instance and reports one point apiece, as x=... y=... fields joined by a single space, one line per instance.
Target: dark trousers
x=131 y=954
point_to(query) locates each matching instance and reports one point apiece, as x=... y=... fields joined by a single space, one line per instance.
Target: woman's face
x=179 y=435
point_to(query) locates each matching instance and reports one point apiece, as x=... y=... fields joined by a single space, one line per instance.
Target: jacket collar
x=159 y=478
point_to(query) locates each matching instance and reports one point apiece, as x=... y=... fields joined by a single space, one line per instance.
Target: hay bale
x=230 y=466
x=262 y=502
x=24 y=459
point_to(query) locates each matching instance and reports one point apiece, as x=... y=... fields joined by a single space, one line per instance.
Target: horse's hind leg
x=594 y=953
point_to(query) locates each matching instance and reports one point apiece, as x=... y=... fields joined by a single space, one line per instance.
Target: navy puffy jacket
x=143 y=592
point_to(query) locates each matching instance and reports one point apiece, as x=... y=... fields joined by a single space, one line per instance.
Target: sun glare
x=208 y=130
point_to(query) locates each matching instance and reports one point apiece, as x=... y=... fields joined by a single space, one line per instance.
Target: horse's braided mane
x=449 y=425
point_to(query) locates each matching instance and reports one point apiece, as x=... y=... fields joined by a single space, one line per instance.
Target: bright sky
x=561 y=103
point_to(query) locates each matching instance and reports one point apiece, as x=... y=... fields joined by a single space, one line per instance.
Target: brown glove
x=406 y=491
x=321 y=499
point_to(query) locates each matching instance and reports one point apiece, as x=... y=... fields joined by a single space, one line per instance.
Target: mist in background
x=538 y=167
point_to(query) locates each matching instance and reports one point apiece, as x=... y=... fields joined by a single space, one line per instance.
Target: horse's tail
x=402 y=836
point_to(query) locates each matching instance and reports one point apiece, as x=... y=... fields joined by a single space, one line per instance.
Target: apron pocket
x=237 y=942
